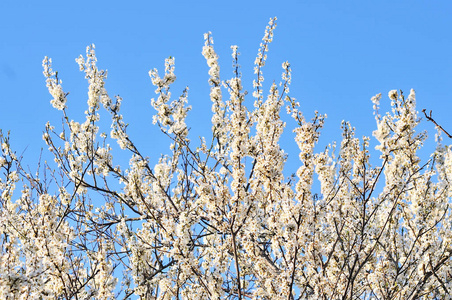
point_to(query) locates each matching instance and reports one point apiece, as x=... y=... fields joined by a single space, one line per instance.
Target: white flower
x=392 y=95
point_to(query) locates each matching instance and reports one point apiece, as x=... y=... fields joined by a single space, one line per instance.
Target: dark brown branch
x=430 y=118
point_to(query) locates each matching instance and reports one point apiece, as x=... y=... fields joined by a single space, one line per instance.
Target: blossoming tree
x=220 y=220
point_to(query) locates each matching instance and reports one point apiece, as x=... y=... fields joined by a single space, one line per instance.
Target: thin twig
x=430 y=118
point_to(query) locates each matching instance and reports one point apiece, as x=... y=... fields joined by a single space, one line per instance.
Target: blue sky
x=341 y=52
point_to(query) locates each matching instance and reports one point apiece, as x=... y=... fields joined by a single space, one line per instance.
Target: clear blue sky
x=342 y=53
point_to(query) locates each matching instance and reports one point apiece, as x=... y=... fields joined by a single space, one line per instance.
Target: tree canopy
x=219 y=218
